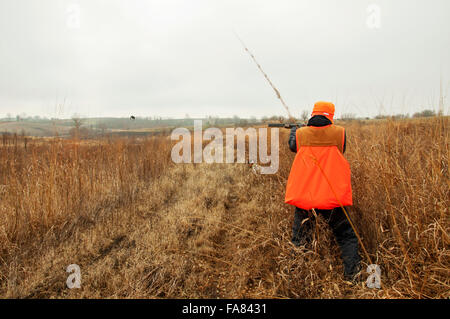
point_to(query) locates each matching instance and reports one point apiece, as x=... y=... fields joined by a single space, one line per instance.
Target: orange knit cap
x=324 y=108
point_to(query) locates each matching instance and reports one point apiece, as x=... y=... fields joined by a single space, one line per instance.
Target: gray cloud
x=170 y=58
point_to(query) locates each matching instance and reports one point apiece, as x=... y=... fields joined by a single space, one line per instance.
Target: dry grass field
x=140 y=226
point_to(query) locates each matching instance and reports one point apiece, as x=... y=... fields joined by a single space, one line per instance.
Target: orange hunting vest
x=320 y=175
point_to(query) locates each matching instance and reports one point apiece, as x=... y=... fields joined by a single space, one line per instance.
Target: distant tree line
x=138 y=122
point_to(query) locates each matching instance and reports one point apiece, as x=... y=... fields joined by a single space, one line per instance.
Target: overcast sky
x=175 y=57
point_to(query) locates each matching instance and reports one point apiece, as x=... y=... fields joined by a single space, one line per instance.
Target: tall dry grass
x=141 y=227
x=49 y=188
x=401 y=191
x=402 y=195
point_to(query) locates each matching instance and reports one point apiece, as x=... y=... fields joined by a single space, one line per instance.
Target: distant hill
x=34 y=128
x=117 y=126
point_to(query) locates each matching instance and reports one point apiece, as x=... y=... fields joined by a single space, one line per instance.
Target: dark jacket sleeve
x=345 y=142
x=293 y=140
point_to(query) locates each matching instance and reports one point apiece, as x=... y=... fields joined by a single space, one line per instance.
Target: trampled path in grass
x=170 y=242
x=203 y=230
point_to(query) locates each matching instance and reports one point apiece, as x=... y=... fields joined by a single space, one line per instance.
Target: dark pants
x=345 y=236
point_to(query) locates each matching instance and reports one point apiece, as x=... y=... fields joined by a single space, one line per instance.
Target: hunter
x=320 y=180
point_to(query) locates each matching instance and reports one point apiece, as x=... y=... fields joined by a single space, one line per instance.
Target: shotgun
x=286 y=125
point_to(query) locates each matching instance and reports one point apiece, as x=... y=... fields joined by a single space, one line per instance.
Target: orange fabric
x=321 y=136
x=324 y=108
x=320 y=176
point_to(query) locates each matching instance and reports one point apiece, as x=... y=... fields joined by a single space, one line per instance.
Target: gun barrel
x=285 y=125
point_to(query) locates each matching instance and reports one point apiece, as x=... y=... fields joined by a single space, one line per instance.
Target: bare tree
x=304 y=116
x=77 y=122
